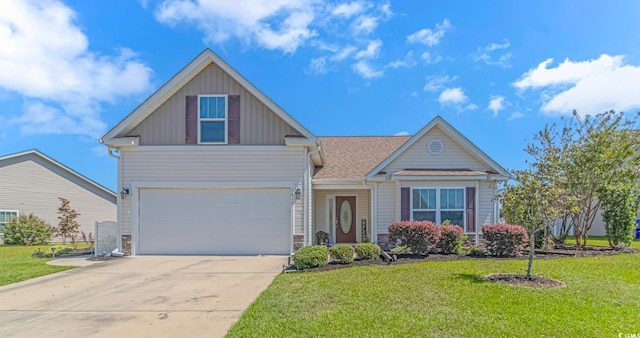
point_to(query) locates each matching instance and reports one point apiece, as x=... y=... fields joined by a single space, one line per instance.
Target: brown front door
x=345 y=221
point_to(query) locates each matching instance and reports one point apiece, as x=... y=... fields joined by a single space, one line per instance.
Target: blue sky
x=496 y=70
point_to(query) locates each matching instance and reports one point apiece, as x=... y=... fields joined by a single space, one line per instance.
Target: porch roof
x=442 y=172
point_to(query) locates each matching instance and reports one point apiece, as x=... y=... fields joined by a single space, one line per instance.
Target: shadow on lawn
x=470 y=277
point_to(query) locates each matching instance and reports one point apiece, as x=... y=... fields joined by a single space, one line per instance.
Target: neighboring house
x=210 y=165
x=31 y=182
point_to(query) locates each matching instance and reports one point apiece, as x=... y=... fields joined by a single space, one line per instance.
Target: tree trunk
x=532 y=243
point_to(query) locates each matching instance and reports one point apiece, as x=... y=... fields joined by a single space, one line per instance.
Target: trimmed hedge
x=504 y=240
x=419 y=236
x=342 y=253
x=312 y=256
x=451 y=239
x=367 y=251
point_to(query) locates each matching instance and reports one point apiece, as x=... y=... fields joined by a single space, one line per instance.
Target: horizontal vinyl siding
x=389 y=201
x=258 y=124
x=284 y=164
x=363 y=209
x=454 y=156
x=33 y=185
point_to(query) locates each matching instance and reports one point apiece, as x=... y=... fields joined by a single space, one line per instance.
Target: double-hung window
x=438 y=205
x=212 y=118
x=6 y=216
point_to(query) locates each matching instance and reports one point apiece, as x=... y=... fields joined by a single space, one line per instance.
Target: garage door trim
x=137 y=185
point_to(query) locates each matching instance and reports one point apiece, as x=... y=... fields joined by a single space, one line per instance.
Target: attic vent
x=435 y=147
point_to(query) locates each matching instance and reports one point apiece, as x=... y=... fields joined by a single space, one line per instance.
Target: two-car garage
x=214 y=221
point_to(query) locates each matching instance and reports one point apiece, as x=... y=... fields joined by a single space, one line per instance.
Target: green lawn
x=449 y=299
x=600 y=241
x=16 y=263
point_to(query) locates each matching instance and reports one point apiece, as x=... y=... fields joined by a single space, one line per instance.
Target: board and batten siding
x=284 y=164
x=258 y=124
x=453 y=156
x=363 y=209
x=389 y=199
x=30 y=184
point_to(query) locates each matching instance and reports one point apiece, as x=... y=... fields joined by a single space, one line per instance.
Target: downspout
x=310 y=196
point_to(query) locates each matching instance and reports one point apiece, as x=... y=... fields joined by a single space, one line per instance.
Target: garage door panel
x=214 y=221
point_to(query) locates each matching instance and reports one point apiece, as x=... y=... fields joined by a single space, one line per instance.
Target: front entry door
x=345 y=223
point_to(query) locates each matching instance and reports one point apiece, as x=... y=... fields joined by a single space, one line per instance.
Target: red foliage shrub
x=419 y=236
x=451 y=239
x=504 y=240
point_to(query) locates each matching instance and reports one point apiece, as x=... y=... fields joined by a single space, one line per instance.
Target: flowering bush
x=451 y=239
x=504 y=240
x=419 y=236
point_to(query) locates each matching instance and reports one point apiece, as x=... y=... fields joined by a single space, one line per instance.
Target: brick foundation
x=298 y=242
x=383 y=242
x=126 y=244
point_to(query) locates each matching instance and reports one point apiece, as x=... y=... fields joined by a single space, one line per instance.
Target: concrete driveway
x=148 y=296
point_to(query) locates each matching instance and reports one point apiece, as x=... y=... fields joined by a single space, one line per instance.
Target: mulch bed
x=522 y=280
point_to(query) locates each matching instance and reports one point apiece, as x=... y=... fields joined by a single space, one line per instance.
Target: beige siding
x=31 y=184
x=166 y=125
x=272 y=164
x=363 y=210
x=389 y=200
x=454 y=156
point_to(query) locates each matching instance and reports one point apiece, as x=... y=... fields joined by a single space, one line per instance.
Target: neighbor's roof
x=355 y=156
x=442 y=172
x=36 y=152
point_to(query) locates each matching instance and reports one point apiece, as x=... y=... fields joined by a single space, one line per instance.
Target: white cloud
x=589 y=87
x=45 y=58
x=273 y=24
x=407 y=62
x=348 y=9
x=371 y=52
x=317 y=66
x=496 y=104
x=427 y=58
x=365 y=24
x=491 y=56
x=343 y=53
x=366 y=71
x=402 y=133
x=452 y=96
x=430 y=37
x=515 y=115
x=435 y=82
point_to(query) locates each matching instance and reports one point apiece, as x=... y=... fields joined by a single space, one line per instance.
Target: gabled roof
x=59 y=165
x=179 y=80
x=454 y=134
x=354 y=156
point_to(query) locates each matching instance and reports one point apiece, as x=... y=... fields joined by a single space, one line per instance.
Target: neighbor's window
x=212 y=118
x=6 y=216
x=438 y=204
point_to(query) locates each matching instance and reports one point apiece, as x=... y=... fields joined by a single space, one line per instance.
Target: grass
x=450 y=299
x=18 y=265
x=600 y=241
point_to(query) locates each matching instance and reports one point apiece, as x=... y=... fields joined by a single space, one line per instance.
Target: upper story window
x=6 y=216
x=212 y=118
x=438 y=205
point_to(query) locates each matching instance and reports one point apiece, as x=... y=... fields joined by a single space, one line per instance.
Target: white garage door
x=214 y=221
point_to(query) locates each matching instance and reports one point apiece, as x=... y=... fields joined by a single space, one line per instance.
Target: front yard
x=16 y=263
x=450 y=299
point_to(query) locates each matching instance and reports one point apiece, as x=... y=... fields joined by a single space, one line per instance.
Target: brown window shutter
x=471 y=209
x=233 y=131
x=191 y=120
x=405 y=207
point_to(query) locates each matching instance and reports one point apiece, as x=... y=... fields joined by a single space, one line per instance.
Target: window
x=438 y=204
x=212 y=118
x=6 y=216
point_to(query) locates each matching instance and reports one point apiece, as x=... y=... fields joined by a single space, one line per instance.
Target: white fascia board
x=296 y=141
x=338 y=181
x=439 y=178
x=205 y=148
x=122 y=142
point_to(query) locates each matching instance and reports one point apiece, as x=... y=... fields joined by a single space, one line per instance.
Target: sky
x=498 y=71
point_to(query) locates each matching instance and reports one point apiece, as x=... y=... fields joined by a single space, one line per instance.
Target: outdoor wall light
x=298 y=193
x=124 y=192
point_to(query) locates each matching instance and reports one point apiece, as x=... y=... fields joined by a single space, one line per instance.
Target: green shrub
x=451 y=239
x=27 y=230
x=311 y=257
x=342 y=253
x=367 y=251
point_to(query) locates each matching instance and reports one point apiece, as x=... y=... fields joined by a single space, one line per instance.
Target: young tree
x=68 y=226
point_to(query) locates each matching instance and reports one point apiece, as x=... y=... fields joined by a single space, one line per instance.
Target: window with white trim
x=6 y=216
x=212 y=118
x=438 y=204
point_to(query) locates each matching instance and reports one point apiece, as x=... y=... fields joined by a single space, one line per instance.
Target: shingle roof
x=355 y=156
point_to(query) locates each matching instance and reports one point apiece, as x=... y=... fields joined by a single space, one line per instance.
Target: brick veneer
x=298 y=242
x=126 y=244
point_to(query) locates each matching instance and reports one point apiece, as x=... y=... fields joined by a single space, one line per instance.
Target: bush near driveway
x=311 y=256
x=27 y=230
x=342 y=253
x=367 y=251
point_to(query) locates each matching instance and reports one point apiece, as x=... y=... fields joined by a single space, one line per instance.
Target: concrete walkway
x=148 y=296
